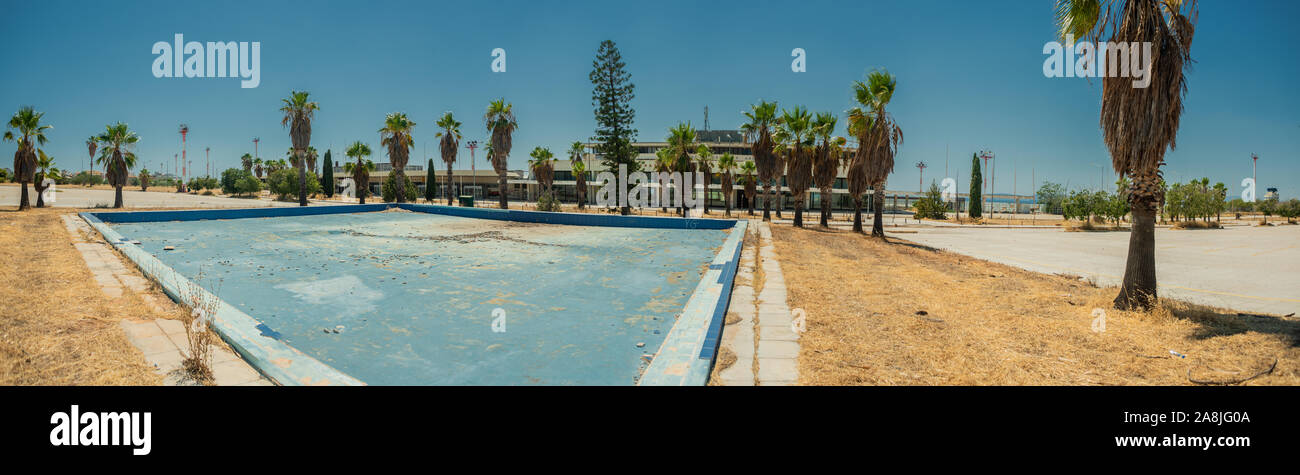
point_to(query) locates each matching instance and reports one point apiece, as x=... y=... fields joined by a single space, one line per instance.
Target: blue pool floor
x=411 y=298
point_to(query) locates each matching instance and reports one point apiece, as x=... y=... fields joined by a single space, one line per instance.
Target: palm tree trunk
x=1138 y=290
x=23 y=201
x=767 y=202
x=302 y=178
x=399 y=185
x=501 y=189
x=798 y=212
x=117 y=199
x=40 y=192
x=878 y=202
x=449 y=184
x=857 y=214
x=726 y=200
x=826 y=207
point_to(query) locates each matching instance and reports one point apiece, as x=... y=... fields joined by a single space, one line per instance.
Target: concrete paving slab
x=1251 y=269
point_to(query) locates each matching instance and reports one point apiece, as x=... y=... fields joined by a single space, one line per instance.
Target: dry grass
x=990 y=324
x=1196 y=224
x=56 y=326
x=1040 y=220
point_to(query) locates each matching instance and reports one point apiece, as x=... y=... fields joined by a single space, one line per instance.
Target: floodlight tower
x=1254 y=161
x=920 y=181
x=471 y=145
x=185 y=129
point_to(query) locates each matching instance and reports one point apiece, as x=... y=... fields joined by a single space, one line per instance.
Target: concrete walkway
x=163 y=341
x=763 y=337
x=78 y=197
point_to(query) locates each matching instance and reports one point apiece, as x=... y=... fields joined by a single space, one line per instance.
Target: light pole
x=471 y=145
x=1254 y=161
x=185 y=129
x=207 y=157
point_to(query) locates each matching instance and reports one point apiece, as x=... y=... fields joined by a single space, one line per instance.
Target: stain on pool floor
x=409 y=298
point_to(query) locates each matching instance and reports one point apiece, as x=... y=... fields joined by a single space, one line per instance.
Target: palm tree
x=758 y=131
x=361 y=169
x=663 y=165
x=703 y=157
x=501 y=124
x=579 y=167
x=682 y=139
x=826 y=161
x=543 y=167
x=1139 y=124
x=860 y=123
x=247 y=162
x=91 y=146
x=115 y=155
x=747 y=170
x=257 y=167
x=28 y=124
x=794 y=137
x=144 y=179
x=298 y=115
x=448 y=146
x=726 y=164
x=44 y=168
x=396 y=135
x=311 y=159
x=883 y=138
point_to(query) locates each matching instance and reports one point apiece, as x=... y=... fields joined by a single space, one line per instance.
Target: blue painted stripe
x=576 y=219
x=238 y=213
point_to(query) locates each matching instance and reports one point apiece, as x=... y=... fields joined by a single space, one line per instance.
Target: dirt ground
x=901 y=314
x=56 y=326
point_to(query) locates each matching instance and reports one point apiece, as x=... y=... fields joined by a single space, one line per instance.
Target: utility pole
x=207 y=152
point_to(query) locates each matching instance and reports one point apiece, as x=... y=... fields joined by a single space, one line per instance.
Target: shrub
x=390 y=194
x=547 y=202
x=284 y=184
x=248 y=185
x=931 y=206
x=231 y=178
x=85 y=178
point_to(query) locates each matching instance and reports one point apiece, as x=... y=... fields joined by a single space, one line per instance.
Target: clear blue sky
x=969 y=77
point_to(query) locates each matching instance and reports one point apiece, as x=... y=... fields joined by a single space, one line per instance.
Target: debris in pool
x=169 y=248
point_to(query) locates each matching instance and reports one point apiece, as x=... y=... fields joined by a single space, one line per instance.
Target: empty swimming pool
x=402 y=297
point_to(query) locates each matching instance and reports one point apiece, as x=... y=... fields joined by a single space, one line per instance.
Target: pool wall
x=255 y=342
x=685 y=358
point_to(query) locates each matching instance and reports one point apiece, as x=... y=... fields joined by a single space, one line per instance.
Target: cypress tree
x=430 y=182
x=327 y=176
x=976 y=182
